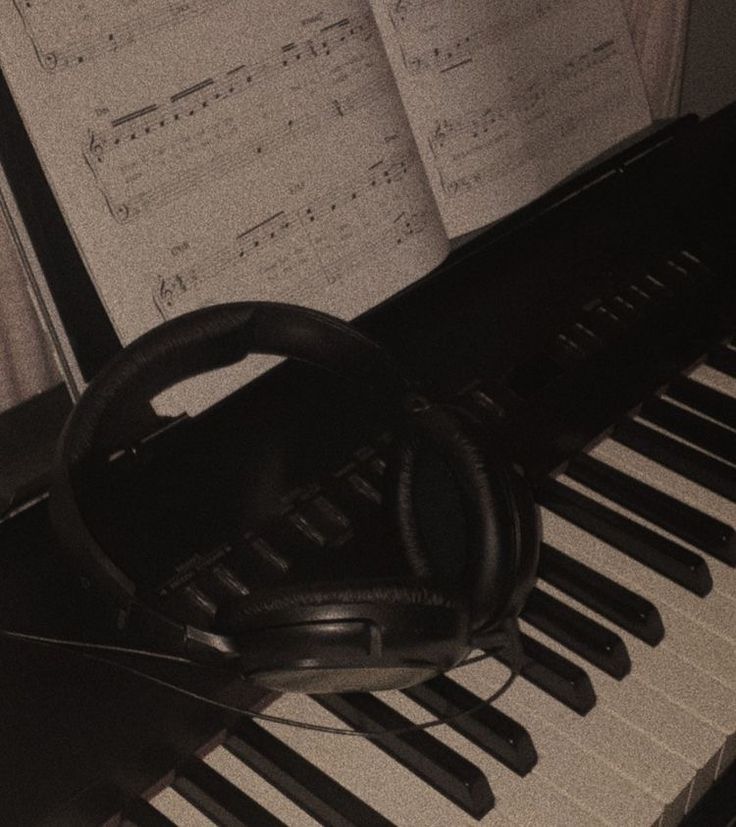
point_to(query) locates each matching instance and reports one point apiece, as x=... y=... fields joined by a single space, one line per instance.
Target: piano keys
x=555 y=329
x=656 y=740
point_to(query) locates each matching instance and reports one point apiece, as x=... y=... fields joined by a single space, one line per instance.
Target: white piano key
x=714 y=379
x=569 y=766
x=250 y=782
x=667 y=667
x=394 y=791
x=685 y=616
x=694 y=619
x=666 y=480
x=724 y=577
x=698 y=744
x=693 y=681
x=661 y=773
x=179 y=810
x=671 y=482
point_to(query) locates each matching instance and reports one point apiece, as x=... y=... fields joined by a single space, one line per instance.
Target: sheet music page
x=212 y=150
x=508 y=98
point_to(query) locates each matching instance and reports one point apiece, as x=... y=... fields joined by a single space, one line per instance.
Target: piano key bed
x=626 y=710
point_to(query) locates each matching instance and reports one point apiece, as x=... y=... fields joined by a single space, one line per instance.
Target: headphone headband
x=216 y=337
x=204 y=340
x=351 y=635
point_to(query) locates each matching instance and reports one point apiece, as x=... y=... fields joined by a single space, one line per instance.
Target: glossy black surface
x=610 y=600
x=489 y=728
x=142 y=814
x=723 y=359
x=697 y=466
x=705 y=399
x=440 y=766
x=306 y=785
x=693 y=526
x=710 y=436
x=218 y=799
x=662 y=555
x=580 y=634
x=553 y=673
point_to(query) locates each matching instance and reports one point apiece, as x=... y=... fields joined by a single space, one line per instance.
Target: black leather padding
x=215 y=337
x=244 y=613
x=500 y=524
x=184 y=347
x=529 y=531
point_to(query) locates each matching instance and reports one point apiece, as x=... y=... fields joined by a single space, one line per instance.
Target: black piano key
x=140 y=813
x=723 y=359
x=219 y=799
x=612 y=601
x=447 y=771
x=489 y=728
x=659 y=553
x=707 y=400
x=707 y=471
x=299 y=780
x=587 y=638
x=707 y=533
x=554 y=674
x=710 y=436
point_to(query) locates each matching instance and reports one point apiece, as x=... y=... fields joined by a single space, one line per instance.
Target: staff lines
x=457 y=51
x=240 y=154
x=211 y=91
x=305 y=227
x=521 y=103
x=67 y=54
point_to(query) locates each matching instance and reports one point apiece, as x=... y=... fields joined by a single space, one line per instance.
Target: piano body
x=595 y=329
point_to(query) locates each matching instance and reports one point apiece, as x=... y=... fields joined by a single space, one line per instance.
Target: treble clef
x=96 y=147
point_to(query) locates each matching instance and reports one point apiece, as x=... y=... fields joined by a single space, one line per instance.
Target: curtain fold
x=27 y=365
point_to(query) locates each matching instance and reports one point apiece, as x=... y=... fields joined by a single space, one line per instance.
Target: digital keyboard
x=626 y=716
x=595 y=331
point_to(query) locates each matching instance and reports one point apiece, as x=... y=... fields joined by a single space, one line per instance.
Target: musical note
x=510 y=159
x=231 y=83
x=400 y=11
x=318 y=239
x=70 y=33
x=521 y=112
x=449 y=53
x=202 y=133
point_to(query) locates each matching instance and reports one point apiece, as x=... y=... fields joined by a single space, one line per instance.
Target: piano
x=595 y=329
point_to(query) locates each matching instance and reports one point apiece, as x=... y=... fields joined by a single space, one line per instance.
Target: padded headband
x=187 y=346
x=215 y=337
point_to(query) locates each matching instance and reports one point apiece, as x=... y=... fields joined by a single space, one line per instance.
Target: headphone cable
x=516 y=664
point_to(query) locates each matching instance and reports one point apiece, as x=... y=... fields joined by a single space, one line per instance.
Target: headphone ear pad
x=529 y=533
x=341 y=637
x=489 y=536
x=252 y=611
x=454 y=510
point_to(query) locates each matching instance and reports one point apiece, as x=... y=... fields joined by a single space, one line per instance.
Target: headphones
x=339 y=636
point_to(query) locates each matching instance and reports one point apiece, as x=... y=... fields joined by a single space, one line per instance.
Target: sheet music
x=506 y=99
x=211 y=150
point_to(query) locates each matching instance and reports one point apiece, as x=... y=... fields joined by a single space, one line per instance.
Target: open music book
x=323 y=152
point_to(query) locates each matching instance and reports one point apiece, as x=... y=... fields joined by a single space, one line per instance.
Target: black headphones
x=316 y=637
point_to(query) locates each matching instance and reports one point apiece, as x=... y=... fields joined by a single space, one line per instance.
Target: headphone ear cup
x=341 y=637
x=442 y=456
x=529 y=532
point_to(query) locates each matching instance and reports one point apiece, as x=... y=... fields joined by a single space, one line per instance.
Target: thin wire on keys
x=516 y=662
